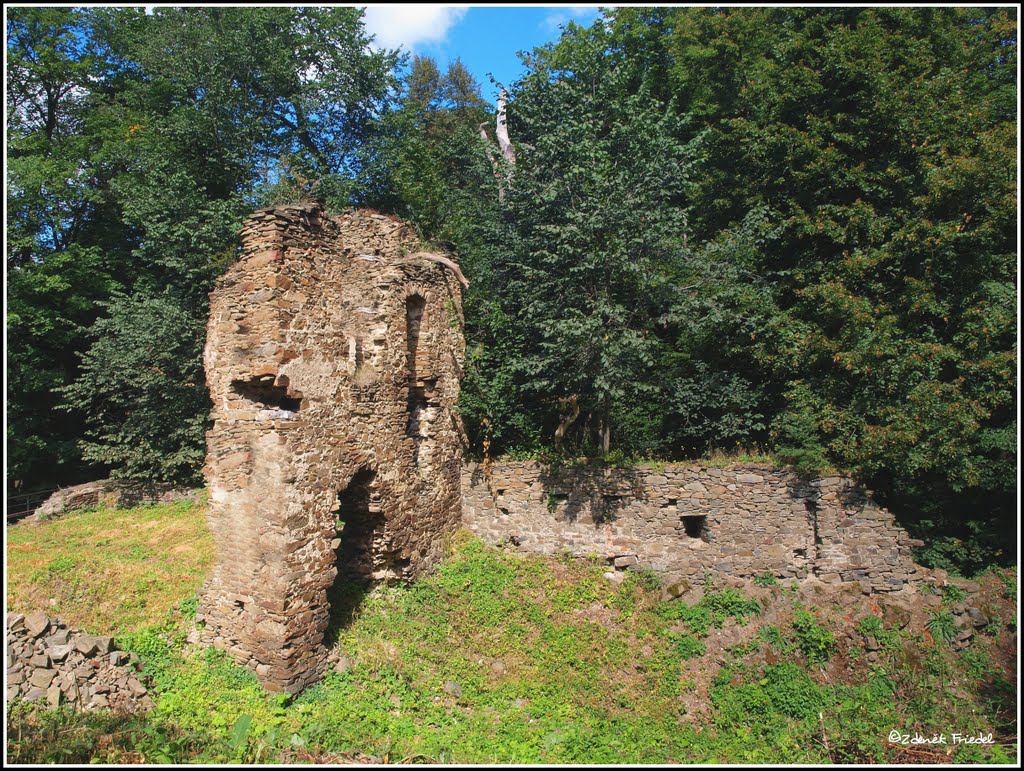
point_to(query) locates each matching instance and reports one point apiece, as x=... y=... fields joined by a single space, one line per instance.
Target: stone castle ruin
x=333 y=357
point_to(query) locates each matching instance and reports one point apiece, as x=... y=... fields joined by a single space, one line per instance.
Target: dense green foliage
x=137 y=143
x=781 y=229
x=789 y=228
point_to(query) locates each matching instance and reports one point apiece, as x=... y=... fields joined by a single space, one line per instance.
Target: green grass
x=591 y=672
x=109 y=568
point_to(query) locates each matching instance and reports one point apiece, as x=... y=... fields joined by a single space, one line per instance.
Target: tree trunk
x=606 y=432
x=494 y=162
x=501 y=130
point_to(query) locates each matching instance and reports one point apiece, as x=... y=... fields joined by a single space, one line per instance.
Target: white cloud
x=562 y=16
x=407 y=26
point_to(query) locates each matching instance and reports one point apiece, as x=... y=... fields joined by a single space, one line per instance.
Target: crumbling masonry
x=333 y=360
x=333 y=357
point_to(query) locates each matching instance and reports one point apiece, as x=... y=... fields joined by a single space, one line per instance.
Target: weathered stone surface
x=40 y=670
x=106 y=492
x=37 y=623
x=896 y=615
x=137 y=688
x=86 y=645
x=40 y=661
x=684 y=521
x=41 y=678
x=677 y=589
x=54 y=696
x=59 y=637
x=333 y=356
x=978 y=618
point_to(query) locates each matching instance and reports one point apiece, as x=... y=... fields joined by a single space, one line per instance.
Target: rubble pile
x=47 y=661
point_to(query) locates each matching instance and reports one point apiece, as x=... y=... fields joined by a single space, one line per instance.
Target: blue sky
x=486 y=38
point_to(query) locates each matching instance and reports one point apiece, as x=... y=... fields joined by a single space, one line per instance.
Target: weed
x=591 y=673
x=689 y=647
x=189 y=606
x=941 y=626
x=1009 y=580
x=953 y=595
x=766 y=579
x=815 y=641
x=772 y=635
x=729 y=603
x=871 y=626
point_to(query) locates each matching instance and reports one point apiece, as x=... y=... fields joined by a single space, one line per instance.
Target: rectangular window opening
x=695 y=527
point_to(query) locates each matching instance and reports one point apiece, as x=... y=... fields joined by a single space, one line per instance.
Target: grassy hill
x=500 y=657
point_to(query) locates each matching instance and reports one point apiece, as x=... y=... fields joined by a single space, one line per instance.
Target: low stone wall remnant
x=683 y=520
x=115 y=494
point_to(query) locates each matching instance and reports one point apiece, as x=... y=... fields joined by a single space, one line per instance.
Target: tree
x=63 y=235
x=879 y=142
x=596 y=232
x=143 y=391
x=138 y=143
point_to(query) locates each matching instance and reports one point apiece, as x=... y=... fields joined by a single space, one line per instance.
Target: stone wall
x=683 y=520
x=112 y=493
x=333 y=358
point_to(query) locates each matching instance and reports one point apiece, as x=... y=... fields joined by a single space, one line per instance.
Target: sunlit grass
x=110 y=568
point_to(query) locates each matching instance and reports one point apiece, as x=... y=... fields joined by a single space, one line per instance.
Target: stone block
x=41 y=678
x=86 y=645
x=37 y=623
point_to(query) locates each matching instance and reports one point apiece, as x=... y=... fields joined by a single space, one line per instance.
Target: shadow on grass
x=345 y=596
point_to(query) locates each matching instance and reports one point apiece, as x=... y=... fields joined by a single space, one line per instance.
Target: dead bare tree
x=443 y=261
x=501 y=130
x=565 y=421
x=502 y=168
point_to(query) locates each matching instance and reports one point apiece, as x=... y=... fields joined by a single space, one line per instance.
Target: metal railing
x=23 y=505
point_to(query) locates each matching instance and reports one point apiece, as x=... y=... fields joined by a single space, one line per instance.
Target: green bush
x=953 y=595
x=783 y=691
x=690 y=647
x=815 y=641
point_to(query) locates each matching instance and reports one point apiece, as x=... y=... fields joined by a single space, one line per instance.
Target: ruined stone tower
x=333 y=358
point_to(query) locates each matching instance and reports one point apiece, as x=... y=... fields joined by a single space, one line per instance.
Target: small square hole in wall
x=695 y=527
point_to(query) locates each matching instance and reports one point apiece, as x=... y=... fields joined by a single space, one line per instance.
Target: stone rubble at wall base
x=49 y=662
x=112 y=493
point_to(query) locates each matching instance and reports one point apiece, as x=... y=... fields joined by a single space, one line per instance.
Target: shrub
x=953 y=594
x=815 y=641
